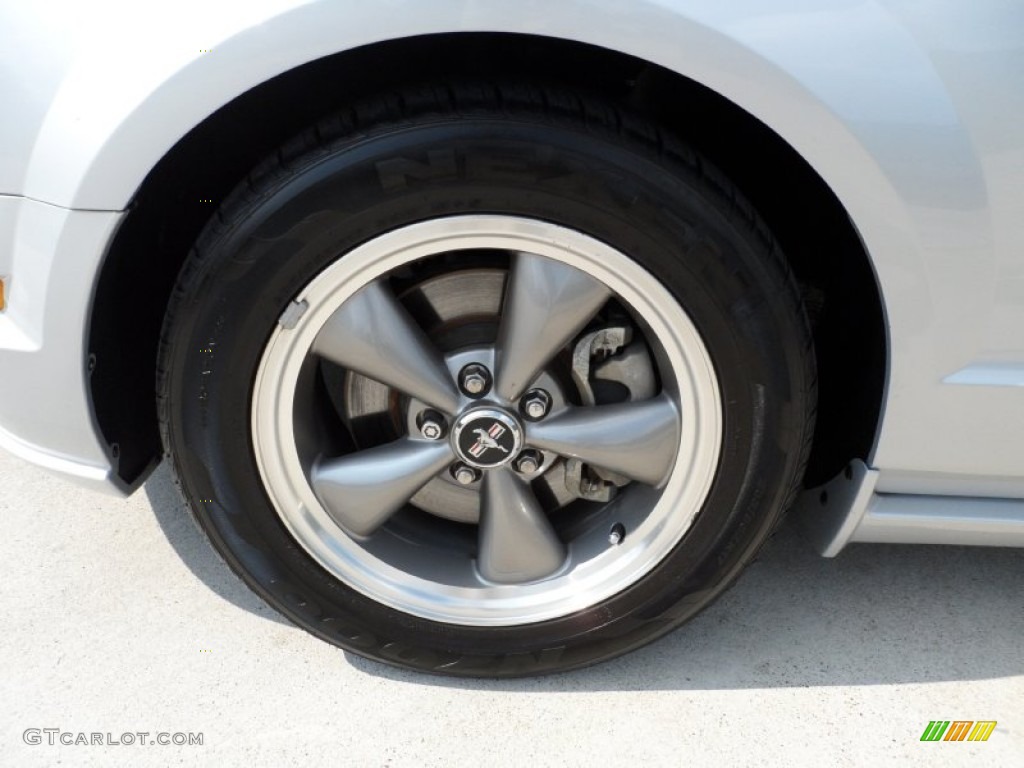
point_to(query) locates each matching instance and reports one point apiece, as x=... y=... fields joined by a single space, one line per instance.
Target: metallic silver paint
x=50 y=256
x=851 y=508
x=910 y=112
x=942 y=520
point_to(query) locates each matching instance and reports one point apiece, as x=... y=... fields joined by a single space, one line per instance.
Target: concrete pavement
x=118 y=617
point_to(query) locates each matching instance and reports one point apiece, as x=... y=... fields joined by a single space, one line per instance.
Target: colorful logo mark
x=485 y=440
x=958 y=730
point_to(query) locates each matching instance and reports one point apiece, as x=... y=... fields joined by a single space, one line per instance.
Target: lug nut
x=528 y=462
x=535 y=404
x=474 y=384
x=464 y=474
x=475 y=380
x=431 y=424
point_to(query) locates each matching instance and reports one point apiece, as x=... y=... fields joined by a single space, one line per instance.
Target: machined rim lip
x=590 y=574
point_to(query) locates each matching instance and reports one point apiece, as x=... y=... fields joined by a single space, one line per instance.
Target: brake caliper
x=607 y=354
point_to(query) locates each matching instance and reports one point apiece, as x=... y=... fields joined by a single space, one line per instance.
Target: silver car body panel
x=50 y=256
x=851 y=508
x=910 y=112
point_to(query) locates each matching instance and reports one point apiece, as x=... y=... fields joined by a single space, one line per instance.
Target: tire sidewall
x=658 y=210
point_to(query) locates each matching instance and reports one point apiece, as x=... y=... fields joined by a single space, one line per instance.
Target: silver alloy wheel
x=524 y=569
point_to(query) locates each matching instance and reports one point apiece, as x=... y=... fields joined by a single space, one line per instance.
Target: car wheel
x=486 y=380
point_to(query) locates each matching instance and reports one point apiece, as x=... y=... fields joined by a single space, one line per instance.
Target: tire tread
x=454 y=100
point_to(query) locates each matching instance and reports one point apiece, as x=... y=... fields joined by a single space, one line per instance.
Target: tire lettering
x=395 y=173
x=501 y=166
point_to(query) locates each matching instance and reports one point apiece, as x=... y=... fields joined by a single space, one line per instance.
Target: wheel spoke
x=638 y=440
x=373 y=334
x=517 y=543
x=547 y=303
x=363 y=489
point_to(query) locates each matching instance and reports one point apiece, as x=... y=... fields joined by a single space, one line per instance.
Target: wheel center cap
x=487 y=437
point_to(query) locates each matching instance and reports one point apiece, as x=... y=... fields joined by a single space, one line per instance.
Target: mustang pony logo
x=486 y=439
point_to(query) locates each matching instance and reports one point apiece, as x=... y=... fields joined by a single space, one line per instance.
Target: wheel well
x=181 y=193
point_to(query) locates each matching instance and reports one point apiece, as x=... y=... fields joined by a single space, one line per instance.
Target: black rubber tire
x=549 y=154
